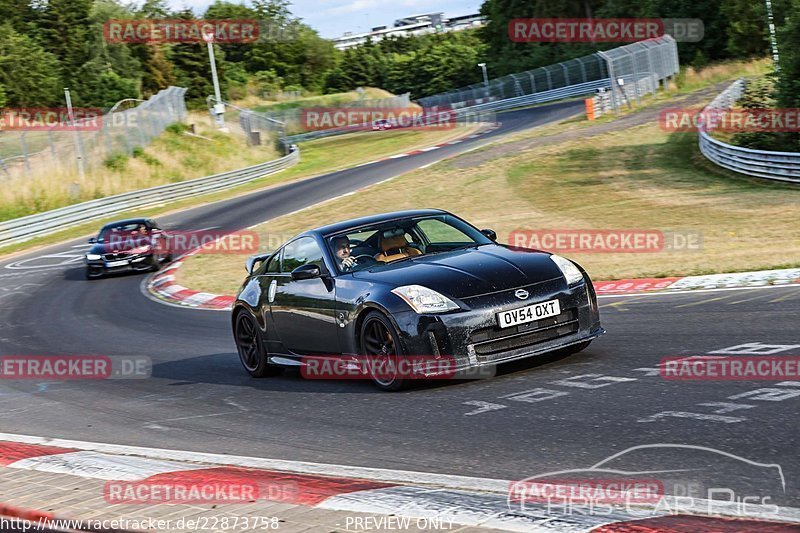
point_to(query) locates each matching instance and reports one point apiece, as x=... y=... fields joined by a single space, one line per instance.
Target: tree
x=28 y=73
x=193 y=69
x=66 y=32
x=788 y=86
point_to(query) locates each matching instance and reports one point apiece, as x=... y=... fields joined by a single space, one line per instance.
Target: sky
x=331 y=18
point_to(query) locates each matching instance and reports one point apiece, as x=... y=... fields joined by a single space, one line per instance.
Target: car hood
x=469 y=272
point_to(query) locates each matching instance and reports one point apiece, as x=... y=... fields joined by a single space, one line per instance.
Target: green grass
x=323 y=100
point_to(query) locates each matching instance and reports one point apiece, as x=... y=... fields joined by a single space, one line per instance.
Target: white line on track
x=696 y=291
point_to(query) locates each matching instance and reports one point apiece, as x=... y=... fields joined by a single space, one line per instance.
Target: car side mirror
x=490 y=233
x=308 y=271
x=92 y=241
x=253 y=261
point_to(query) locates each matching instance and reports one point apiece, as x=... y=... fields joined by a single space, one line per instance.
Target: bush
x=177 y=128
x=116 y=162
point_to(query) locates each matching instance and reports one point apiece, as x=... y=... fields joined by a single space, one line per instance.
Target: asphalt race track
x=534 y=417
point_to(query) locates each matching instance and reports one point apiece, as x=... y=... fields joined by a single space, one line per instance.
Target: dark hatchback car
x=136 y=244
x=409 y=283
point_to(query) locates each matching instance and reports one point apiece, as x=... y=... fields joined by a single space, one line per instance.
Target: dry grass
x=689 y=81
x=638 y=178
x=172 y=157
x=258 y=104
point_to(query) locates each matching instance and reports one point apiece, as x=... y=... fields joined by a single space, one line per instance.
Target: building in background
x=411 y=25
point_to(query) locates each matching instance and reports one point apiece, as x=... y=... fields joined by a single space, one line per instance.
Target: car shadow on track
x=79 y=274
x=225 y=369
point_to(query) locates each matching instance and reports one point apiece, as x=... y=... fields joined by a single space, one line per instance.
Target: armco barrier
x=25 y=228
x=463 y=116
x=779 y=166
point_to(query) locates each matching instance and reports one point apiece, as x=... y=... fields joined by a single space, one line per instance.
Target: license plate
x=116 y=263
x=530 y=313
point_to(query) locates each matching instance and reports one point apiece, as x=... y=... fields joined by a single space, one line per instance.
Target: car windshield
x=399 y=240
x=121 y=232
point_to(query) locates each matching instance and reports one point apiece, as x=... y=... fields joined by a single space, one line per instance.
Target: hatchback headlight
x=425 y=300
x=93 y=257
x=572 y=273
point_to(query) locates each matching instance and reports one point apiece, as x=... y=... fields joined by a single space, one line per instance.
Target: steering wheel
x=358 y=258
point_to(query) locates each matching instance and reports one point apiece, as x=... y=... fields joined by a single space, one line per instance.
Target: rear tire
x=251 y=347
x=380 y=342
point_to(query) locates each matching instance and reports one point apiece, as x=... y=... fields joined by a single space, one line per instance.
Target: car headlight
x=93 y=257
x=424 y=300
x=572 y=273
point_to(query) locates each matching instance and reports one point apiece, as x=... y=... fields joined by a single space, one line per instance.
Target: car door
x=304 y=311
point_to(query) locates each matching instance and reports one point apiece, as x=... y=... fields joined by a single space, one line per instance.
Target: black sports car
x=411 y=283
x=136 y=244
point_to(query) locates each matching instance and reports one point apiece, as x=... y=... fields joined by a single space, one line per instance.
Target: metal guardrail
x=779 y=166
x=463 y=116
x=26 y=228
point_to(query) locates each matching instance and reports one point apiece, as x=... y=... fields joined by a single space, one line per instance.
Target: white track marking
x=483 y=407
x=697 y=416
x=535 y=395
x=756 y=348
x=377 y=474
x=101 y=466
x=672 y=292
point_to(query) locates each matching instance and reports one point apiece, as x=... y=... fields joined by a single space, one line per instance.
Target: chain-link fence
x=637 y=68
x=78 y=146
x=572 y=72
x=631 y=70
x=276 y=126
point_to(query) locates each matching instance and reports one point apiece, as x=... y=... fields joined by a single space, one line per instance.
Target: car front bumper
x=132 y=263
x=473 y=339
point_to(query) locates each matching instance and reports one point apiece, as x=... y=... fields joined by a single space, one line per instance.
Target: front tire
x=381 y=344
x=251 y=347
x=93 y=274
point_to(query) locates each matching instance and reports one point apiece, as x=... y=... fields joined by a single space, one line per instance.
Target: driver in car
x=341 y=247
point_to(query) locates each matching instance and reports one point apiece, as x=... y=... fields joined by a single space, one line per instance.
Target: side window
x=301 y=252
x=274 y=265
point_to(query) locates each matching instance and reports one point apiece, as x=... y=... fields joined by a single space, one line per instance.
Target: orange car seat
x=394 y=248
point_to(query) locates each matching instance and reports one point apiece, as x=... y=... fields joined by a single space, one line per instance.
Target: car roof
x=337 y=227
x=127 y=221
